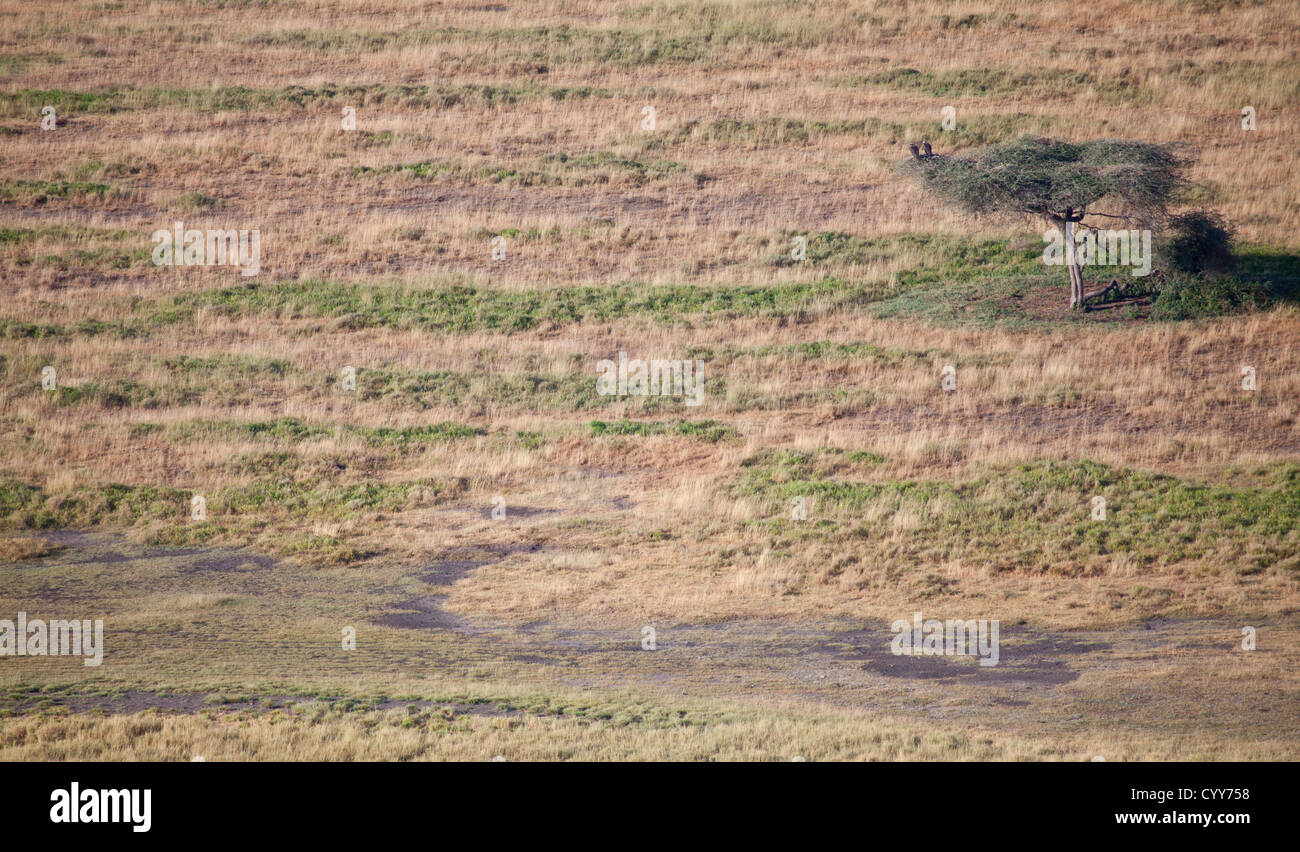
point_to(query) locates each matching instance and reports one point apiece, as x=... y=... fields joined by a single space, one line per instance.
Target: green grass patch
x=295 y=430
x=227 y=366
x=41 y=190
x=108 y=100
x=542 y=45
x=14 y=329
x=708 y=430
x=942 y=280
x=229 y=508
x=722 y=356
x=422 y=389
x=1038 y=516
x=934 y=258
x=551 y=170
x=1014 y=290
x=971 y=131
x=68 y=246
x=462 y=308
x=987 y=82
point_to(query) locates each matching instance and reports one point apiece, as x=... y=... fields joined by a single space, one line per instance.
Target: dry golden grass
x=391 y=736
x=782 y=121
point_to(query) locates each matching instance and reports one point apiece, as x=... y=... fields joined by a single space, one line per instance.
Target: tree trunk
x=1072 y=263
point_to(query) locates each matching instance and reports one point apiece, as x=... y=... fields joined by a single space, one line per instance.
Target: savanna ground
x=475 y=378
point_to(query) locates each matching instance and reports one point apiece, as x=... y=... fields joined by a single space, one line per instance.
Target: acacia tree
x=1062 y=183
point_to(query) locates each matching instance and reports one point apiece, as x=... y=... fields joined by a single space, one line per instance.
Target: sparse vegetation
x=395 y=424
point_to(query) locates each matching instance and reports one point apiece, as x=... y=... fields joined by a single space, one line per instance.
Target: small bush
x=1192 y=297
x=1201 y=242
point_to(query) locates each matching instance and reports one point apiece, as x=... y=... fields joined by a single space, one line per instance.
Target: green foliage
x=975 y=82
x=415 y=435
x=93 y=248
x=197 y=201
x=295 y=430
x=40 y=190
x=462 y=308
x=1186 y=297
x=24 y=506
x=113 y=99
x=20 y=330
x=1038 y=176
x=322 y=550
x=777 y=131
x=119 y=393
x=708 y=430
x=1038 y=515
x=551 y=170
x=227 y=365
x=1201 y=242
x=529 y=440
x=947 y=259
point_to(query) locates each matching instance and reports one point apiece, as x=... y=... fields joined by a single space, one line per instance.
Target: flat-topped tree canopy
x=1060 y=181
x=1039 y=176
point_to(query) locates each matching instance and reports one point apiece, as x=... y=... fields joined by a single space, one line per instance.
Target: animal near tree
x=1061 y=182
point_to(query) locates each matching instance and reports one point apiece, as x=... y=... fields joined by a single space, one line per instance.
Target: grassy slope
x=474 y=378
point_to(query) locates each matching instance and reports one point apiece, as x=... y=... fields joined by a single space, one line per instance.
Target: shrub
x=1189 y=297
x=1201 y=242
